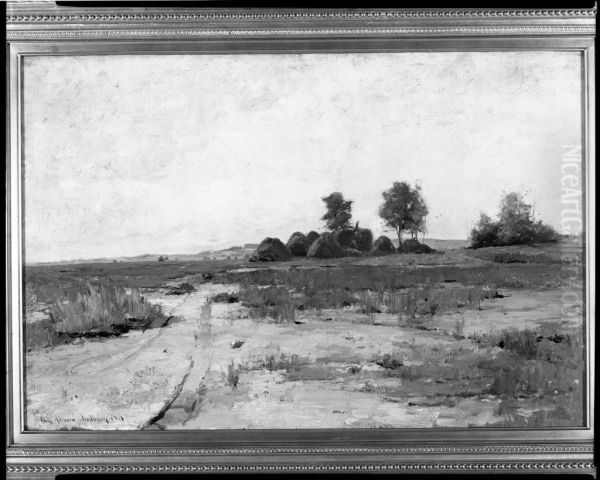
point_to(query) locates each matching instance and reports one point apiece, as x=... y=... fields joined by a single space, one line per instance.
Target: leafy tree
x=339 y=212
x=404 y=209
x=516 y=220
x=485 y=232
x=544 y=233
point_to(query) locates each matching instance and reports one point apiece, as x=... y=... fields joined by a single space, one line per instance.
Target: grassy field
x=457 y=338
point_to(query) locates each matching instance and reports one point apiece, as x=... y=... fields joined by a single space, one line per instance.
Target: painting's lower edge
x=16 y=470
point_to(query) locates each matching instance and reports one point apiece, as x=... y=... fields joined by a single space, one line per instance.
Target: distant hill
x=235 y=253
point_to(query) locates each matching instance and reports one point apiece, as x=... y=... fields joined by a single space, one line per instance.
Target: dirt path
x=185 y=398
x=135 y=349
x=123 y=382
x=185 y=403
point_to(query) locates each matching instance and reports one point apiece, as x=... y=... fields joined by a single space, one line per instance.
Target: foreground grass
x=93 y=311
x=522 y=368
x=282 y=304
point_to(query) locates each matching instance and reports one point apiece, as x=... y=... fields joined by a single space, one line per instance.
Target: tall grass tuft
x=272 y=302
x=99 y=306
x=233 y=376
x=31 y=294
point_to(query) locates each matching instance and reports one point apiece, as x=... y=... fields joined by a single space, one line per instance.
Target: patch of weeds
x=410 y=372
x=181 y=289
x=282 y=362
x=99 y=306
x=522 y=342
x=233 y=376
x=568 y=410
x=459 y=328
x=368 y=303
x=514 y=257
x=94 y=311
x=31 y=296
x=140 y=376
x=436 y=401
x=312 y=373
x=41 y=334
x=513 y=282
x=332 y=297
x=534 y=366
x=390 y=362
x=272 y=302
x=369 y=387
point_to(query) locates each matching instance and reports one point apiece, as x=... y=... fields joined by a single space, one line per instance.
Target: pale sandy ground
x=176 y=377
x=117 y=383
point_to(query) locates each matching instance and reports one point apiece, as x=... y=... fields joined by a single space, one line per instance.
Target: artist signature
x=82 y=418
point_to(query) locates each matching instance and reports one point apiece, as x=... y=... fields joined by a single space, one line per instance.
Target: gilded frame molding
x=42 y=28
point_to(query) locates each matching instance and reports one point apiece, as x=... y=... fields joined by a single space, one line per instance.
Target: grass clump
x=100 y=306
x=233 y=376
x=521 y=342
x=543 y=366
x=272 y=302
x=182 y=289
x=512 y=257
x=282 y=362
x=40 y=334
x=30 y=292
x=96 y=310
x=459 y=328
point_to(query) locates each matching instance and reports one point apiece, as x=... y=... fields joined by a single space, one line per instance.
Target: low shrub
x=515 y=225
x=225 y=297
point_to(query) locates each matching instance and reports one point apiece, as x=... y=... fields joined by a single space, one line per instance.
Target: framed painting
x=299 y=240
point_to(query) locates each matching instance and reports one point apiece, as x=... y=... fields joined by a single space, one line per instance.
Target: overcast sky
x=127 y=155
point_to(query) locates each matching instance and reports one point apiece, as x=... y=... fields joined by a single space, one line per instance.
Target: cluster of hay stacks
x=356 y=242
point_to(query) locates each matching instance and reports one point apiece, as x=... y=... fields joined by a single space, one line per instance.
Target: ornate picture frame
x=45 y=29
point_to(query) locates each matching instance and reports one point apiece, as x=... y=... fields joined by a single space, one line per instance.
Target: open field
x=451 y=339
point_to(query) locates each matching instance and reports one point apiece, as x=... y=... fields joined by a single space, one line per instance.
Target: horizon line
x=88 y=259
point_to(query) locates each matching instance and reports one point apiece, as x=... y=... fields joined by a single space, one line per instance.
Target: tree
x=485 y=232
x=516 y=220
x=404 y=209
x=339 y=212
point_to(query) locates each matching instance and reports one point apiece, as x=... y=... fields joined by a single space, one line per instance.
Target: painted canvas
x=331 y=240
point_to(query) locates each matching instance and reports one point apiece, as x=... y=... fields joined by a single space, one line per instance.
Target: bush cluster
x=515 y=225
